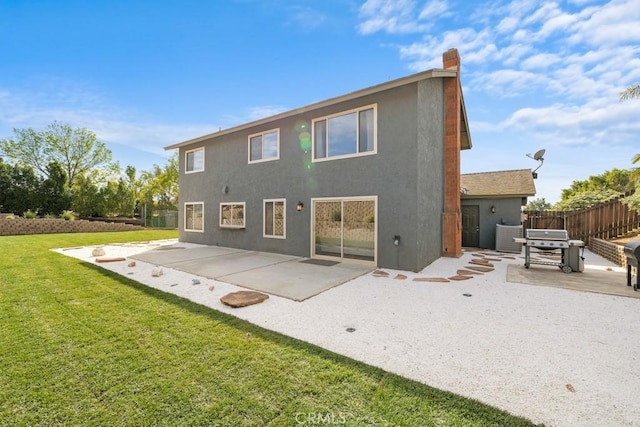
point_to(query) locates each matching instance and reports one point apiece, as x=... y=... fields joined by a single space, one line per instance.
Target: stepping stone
x=460 y=277
x=400 y=277
x=481 y=262
x=509 y=257
x=431 y=279
x=477 y=255
x=480 y=269
x=493 y=259
x=467 y=272
x=380 y=273
x=110 y=259
x=243 y=298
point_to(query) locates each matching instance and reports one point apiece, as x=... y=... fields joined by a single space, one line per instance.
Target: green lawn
x=83 y=346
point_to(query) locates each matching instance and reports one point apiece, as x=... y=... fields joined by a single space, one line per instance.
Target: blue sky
x=146 y=74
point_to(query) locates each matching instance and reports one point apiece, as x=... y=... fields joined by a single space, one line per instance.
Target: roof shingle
x=498 y=184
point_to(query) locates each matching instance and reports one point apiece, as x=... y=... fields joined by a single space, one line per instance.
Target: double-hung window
x=347 y=134
x=194 y=160
x=193 y=216
x=232 y=215
x=274 y=218
x=264 y=146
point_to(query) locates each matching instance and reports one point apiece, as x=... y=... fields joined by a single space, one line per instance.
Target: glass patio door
x=345 y=229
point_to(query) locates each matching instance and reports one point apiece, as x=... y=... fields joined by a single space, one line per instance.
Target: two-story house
x=372 y=176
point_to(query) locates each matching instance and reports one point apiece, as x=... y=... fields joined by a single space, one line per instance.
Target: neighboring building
x=491 y=198
x=372 y=176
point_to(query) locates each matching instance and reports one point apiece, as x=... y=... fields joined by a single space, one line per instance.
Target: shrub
x=68 y=215
x=50 y=216
x=29 y=214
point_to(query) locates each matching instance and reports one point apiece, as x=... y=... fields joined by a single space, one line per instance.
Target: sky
x=146 y=74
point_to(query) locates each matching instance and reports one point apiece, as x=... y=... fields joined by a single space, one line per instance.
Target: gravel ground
x=555 y=356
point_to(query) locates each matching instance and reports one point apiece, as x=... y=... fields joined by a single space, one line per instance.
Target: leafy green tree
x=86 y=197
x=20 y=188
x=585 y=199
x=76 y=150
x=54 y=196
x=617 y=180
x=160 y=185
x=538 y=205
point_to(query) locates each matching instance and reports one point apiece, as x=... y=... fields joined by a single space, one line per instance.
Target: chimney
x=451 y=217
x=451 y=59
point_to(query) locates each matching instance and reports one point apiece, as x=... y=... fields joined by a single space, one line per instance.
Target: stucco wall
x=508 y=212
x=391 y=175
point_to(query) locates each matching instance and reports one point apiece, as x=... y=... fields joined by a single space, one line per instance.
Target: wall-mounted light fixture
x=493 y=209
x=396 y=240
x=300 y=206
x=225 y=189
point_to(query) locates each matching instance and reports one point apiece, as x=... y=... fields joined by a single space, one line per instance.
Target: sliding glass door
x=345 y=228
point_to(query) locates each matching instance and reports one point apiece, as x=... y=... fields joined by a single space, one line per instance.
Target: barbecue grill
x=550 y=240
x=632 y=251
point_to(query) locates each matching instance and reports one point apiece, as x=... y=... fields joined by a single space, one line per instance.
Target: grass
x=83 y=346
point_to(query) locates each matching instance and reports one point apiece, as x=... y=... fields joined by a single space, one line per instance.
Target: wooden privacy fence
x=605 y=221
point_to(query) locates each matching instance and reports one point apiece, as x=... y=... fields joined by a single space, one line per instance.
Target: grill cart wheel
x=566 y=269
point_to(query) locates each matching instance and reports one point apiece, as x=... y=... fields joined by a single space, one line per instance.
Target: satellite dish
x=537 y=157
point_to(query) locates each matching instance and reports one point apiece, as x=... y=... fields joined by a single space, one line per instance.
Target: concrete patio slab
x=598 y=281
x=282 y=275
x=296 y=279
x=215 y=267
x=162 y=256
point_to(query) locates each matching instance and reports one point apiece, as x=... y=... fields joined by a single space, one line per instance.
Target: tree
x=616 y=180
x=54 y=196
x=630 y=92
x=585 y=199
x=76 y=150
x=160 y=185
x=538 y=205
x=86 y=197
x=19 y=188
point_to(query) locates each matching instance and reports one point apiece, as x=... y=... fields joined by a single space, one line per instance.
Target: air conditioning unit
x=504 y=238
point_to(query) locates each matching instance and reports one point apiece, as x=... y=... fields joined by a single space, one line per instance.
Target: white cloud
x=434 y=8
x=79 y=106
x=508 y=83
x=540 y=61
x=399 y=16
x=614 y=23
x=590 y=123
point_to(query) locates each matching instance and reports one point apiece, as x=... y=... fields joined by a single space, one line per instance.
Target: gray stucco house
x=372 y=176
x=491 y=198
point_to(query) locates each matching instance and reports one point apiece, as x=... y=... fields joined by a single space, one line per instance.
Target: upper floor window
x=194 y=160
x=347 y=134
x=264 y=146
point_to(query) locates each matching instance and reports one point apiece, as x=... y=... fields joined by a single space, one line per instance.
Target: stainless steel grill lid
x=539 y=234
